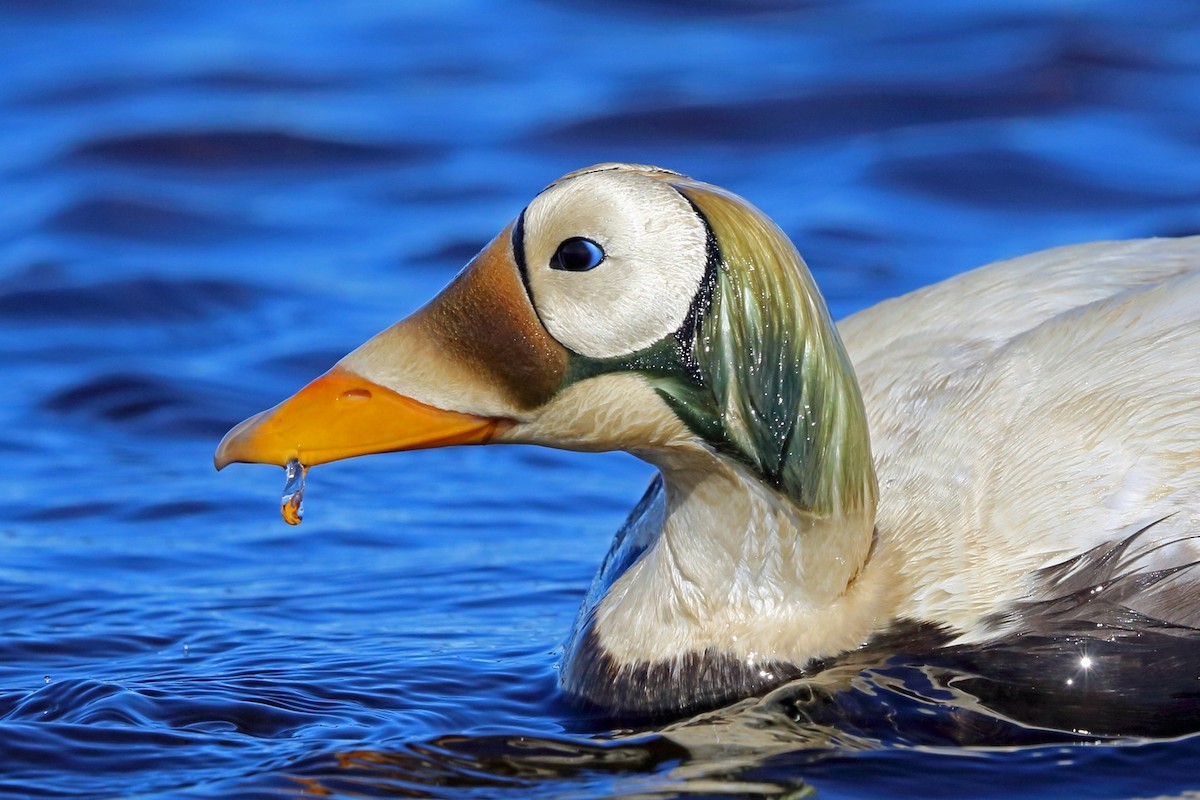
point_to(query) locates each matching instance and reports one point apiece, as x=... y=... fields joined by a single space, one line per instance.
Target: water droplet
x=291 y=505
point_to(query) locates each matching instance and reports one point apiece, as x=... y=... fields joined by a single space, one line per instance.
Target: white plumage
x=1029 y=411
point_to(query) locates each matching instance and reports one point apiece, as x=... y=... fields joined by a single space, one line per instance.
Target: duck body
x=1029 y=419
x=1019 y=438
x=1035 y=426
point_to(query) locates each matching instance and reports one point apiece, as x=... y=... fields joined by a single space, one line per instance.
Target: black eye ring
x=577 y=254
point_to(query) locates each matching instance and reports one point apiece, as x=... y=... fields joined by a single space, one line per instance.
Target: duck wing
x=1031 y=416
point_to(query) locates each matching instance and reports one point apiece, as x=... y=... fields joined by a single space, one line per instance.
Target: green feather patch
x=770 y=356
x=759 y=371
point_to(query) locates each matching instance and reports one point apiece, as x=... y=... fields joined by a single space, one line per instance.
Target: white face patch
x=654 y=256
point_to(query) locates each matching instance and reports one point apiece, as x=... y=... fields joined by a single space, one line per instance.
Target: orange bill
x=341 y=415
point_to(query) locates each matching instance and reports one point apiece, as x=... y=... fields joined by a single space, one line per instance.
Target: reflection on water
x=206 y=205
x=1042 y=696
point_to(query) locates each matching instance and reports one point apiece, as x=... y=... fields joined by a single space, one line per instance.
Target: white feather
x=655 y=254
x=1029 y=411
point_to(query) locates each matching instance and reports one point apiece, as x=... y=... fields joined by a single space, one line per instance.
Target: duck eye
x=577 y=255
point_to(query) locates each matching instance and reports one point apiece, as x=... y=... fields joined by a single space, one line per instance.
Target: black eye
x=577 y=255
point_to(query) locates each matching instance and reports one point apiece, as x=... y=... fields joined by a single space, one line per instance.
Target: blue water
x=206 y=204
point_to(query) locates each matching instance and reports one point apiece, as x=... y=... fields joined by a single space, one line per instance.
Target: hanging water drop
x=291 y=505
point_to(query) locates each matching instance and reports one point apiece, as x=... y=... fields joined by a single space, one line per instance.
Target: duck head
x=627 y=307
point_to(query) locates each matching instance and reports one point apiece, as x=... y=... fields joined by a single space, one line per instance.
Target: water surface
x=206 y=204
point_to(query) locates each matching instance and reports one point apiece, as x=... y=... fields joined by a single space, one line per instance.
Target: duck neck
x=736 y=587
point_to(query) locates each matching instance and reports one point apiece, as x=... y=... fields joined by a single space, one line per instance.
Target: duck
x=1013 y=446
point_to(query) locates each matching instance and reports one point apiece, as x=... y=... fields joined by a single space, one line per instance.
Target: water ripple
x=139 y=219
x=1017 y=182
x=225 y=151
x=836 y=113
x=124 y=300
